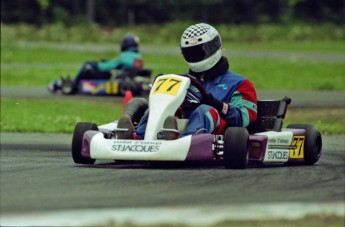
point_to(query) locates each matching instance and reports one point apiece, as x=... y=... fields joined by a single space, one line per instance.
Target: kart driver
x=231 y=98
x=129 y=60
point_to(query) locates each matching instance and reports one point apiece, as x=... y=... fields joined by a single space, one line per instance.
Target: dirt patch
x=316 y=221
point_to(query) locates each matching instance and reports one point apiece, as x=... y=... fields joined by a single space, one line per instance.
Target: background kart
x=264 y=142
x=138 y=84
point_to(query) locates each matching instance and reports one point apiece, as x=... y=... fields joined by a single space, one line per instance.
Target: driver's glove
x=220 y=106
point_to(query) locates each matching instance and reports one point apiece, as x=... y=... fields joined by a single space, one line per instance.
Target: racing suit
x=233 y=90
x=236 y=93
x=129 y=61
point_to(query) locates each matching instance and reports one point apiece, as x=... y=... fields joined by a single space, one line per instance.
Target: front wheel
x=77 y=142
x=312 y=143
x=128 y=85
x=67 y=87
x=236 y=146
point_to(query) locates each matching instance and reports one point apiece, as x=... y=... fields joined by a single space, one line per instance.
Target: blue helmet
x=130 y=42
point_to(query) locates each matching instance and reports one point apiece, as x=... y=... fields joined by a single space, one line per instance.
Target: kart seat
x=270 y=115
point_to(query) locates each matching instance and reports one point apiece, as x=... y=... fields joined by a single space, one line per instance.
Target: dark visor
x=200 y=52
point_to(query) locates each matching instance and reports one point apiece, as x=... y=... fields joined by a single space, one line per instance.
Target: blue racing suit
x=239 y=97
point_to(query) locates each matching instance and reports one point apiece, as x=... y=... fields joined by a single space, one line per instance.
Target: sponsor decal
x=88 y=86
x=297 y=146
x=278 y=147
x=111 y=87
x=193 y=41
x=223 y=86
x=99 y=88
x=278 y=155
x=278 y=141
x=136 y=146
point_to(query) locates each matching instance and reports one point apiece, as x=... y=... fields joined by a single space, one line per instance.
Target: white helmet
x=201 y=47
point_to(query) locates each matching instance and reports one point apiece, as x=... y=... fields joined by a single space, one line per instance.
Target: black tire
x=77 y=141
x=312 y=143
x=236 y=146
x=67 y=87
x=128 y=85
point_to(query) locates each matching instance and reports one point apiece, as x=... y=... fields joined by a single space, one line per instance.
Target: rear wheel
x=77 y=142
x=312 y=143
x=236 y=146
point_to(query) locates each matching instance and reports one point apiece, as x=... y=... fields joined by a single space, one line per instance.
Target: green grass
x=36 y=64
x=171 y=32
x=325 y=119
x=310 y=220
x=27 y=115
x=291 y=74
x=326 y=46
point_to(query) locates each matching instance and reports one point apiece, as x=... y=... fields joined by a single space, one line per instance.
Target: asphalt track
x=40 y=184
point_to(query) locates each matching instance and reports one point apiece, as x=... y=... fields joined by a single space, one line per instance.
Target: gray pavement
x=41 y=186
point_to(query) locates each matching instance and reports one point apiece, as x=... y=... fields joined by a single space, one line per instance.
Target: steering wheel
x=198 y=85
x=191 y=102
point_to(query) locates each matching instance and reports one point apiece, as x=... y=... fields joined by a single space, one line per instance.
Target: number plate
x=298 y=147
x=167 y=85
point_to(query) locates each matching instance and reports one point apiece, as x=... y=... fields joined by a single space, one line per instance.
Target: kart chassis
x=263 y=142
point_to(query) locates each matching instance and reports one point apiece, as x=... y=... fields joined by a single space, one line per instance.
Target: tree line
x=134 y=12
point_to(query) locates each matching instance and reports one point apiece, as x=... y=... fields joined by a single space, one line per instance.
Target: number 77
x=163 y=81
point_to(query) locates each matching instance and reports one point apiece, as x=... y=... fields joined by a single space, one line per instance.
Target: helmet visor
x=200 y=52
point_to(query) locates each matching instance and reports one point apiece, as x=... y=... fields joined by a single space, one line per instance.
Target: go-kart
x=105 y=84
x=263 y=142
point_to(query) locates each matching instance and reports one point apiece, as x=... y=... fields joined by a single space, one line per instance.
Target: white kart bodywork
x=167 y=94
x=141 y=150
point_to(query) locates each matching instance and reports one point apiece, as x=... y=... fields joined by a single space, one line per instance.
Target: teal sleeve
x=126 y=60
x=108 y=65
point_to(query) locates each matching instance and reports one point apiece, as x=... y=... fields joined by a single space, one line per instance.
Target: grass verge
x=50 y=61
x=171 y=32
x=315 y=221
x=60 y=116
